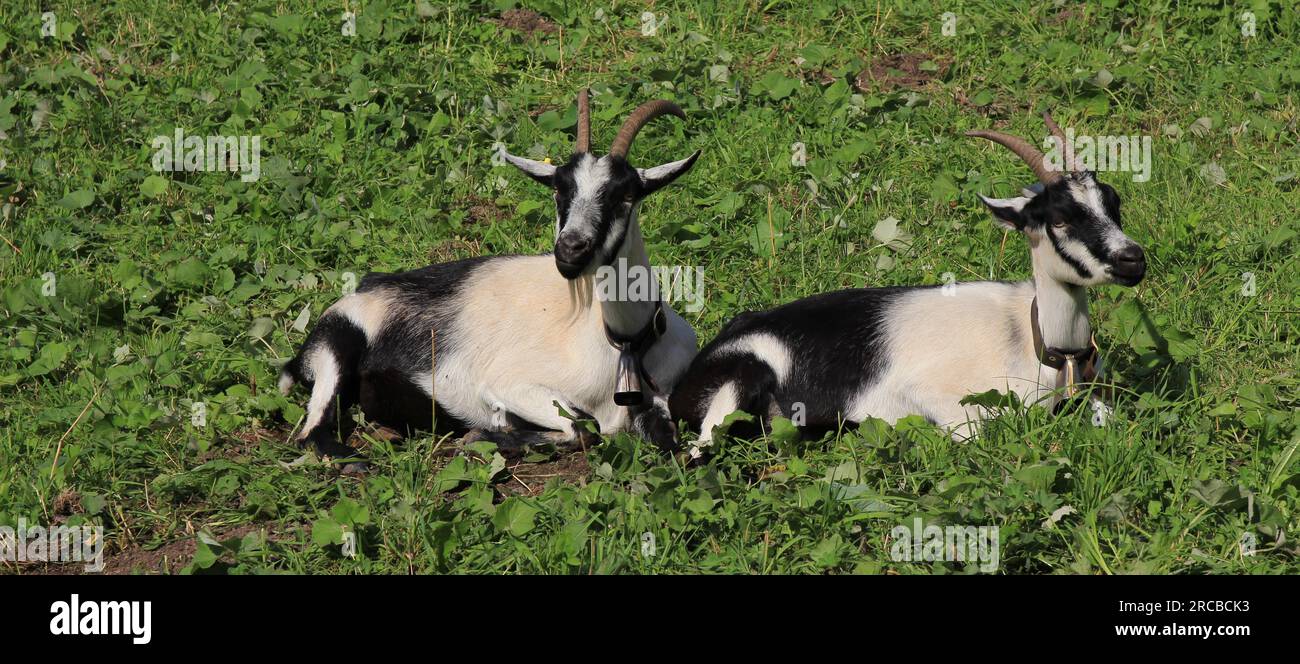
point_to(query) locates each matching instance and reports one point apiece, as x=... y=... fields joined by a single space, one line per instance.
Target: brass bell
x=1070 y=376
x=627 y=381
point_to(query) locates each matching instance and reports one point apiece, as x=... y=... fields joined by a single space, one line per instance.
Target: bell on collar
x=627 y=381
x=1069 y=376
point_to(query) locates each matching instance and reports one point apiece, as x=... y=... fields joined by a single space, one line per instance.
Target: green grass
x=376 y=156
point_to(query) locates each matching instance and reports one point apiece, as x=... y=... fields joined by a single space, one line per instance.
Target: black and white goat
x=517 y=337
x=890 y=352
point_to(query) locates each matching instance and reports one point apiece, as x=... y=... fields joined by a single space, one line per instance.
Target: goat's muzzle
x=572 y=254
x=1129 y=265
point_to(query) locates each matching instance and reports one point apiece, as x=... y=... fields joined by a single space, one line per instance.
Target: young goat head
x=596 y=197
x=1072 y=220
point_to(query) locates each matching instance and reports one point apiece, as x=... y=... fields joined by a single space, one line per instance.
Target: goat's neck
x=625 y=315
x=1062 y=313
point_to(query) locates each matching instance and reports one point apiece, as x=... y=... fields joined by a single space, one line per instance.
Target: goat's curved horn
x=1067 y=150
x=1026 y=151
x=642 y=115
x=584 y=123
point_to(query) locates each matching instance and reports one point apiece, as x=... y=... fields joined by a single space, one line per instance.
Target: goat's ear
x=1008 y=211
x=537 y=170
x=653 y=179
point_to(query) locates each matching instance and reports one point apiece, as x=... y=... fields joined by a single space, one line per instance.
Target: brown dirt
x=526 y=21
x=67 y=503
x=171 y=557
x=168 y=558
x=243 y=444
x=450 y=250
x=483 y=210
x=528 y=479
x=820 y=76
x=901 y=70
x=542 y=108
x=1066 y=15
x=998 y=110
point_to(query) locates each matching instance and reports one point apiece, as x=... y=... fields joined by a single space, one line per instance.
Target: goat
x=516 y=338
x=844 y=356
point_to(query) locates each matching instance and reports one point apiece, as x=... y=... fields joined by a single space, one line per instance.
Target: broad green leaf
x=325 y=532
x=77 y=199
x=153 y=186
x=514 y=516
x=261 y=327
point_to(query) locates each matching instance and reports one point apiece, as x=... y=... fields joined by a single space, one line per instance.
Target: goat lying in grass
x=891 y=352
x=517 y=337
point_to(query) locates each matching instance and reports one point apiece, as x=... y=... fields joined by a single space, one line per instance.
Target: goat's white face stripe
x=1089 y=196
x=590 y=175
x=584 y=211
x=1058 y=255
x=771 y=350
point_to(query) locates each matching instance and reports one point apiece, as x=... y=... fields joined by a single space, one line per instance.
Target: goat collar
x=632 y=377
x=1075 y=365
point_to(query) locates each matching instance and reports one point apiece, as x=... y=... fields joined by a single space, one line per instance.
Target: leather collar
x=1076 y=365
x=632 y=350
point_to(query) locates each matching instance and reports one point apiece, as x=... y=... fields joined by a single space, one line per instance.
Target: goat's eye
x=1060 y=224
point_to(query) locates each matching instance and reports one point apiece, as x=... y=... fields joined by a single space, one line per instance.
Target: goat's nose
x=573 y=245
x=1131 y=255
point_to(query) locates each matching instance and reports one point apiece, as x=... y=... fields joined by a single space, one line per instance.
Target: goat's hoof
x=583 y=440
x=507 y=445
x=511 y=452
x=472 y=436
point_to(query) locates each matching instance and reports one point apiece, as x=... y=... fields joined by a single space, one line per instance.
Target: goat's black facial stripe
x=1073 y=262
x=1092 y=240
x=564 y=189
x=623 y=185
x=1110 y=200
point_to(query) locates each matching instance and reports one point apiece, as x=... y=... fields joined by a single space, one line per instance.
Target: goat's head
x=1070 y=218
x=597 y=197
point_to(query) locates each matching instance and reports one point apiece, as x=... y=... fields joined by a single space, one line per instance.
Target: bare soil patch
x=526 y=21
x=169 y=558
x=901 y=70
x=528 y=479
